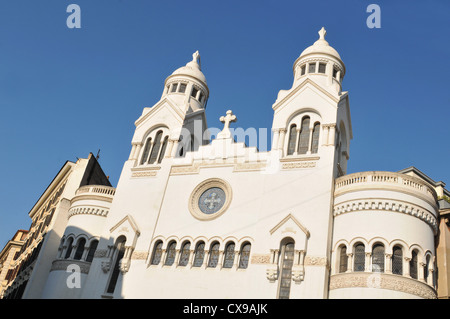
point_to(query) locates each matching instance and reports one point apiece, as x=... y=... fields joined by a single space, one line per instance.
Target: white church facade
x=194 y=218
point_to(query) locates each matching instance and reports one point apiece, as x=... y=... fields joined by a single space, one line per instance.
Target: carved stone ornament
x=124 y=265
x=385 y=281
x=272 y=274
x=297 y=275
x=106 y=266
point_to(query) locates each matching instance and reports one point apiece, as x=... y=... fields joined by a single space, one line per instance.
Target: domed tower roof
x=192 y=68
x=321 y=46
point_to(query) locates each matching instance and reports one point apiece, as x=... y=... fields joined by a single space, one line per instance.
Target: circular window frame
x=194 y=209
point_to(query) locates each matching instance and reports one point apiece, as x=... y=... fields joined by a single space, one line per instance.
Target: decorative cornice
x=382 y=281
x=397 y=206
x=89 y=210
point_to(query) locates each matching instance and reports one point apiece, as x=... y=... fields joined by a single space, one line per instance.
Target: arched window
x=360 y=257
x=303 y=141
x=286 y=263
x=229 y=255
x=80 y=249
x=378 y=258
x=292 y=139
x=157 y=253
x=119 y=251
x=397 y=260
x=343 y=259
x=426 y=272
x=92 y=250
x=413 y=265
x=315 y=138
x=213 y=255
x=69 y=248
x=170 y=258
x=163 y=149
x=148 y=144
x=155 y=150
x=184 y=254
x=244 y=255
x=199 y=254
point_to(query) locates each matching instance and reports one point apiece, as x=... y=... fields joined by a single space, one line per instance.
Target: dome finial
x=322 y=33
x=196 y=57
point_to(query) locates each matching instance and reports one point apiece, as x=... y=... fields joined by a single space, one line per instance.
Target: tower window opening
x=322 y=67
x=303 y=70
x=194 y=92
x=335 y=71
x=174 y=87
x=312 y=68
x=182 y=88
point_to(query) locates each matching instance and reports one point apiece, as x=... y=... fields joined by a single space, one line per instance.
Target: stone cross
x=212 y=201
x=227 y=119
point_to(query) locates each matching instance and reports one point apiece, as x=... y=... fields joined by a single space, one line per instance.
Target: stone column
x=406 y=261
x=388 y=263
x=310 y=140
x=350 y=262
x=281 y=140
x=367 y=262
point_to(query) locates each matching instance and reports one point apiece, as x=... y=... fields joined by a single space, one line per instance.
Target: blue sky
x=67 y=92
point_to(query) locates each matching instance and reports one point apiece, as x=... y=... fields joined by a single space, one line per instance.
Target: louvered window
x=360 y=258
x=397 y=260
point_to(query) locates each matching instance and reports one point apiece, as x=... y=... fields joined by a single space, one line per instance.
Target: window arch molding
x=307 y=139
x=154 y=145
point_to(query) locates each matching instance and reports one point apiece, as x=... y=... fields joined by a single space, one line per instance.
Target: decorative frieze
x=260 y=259
x=139 y=255
x=64 y=264
x=317 y=261
x=387 y=205
x=382 y=281
x=296 y=165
